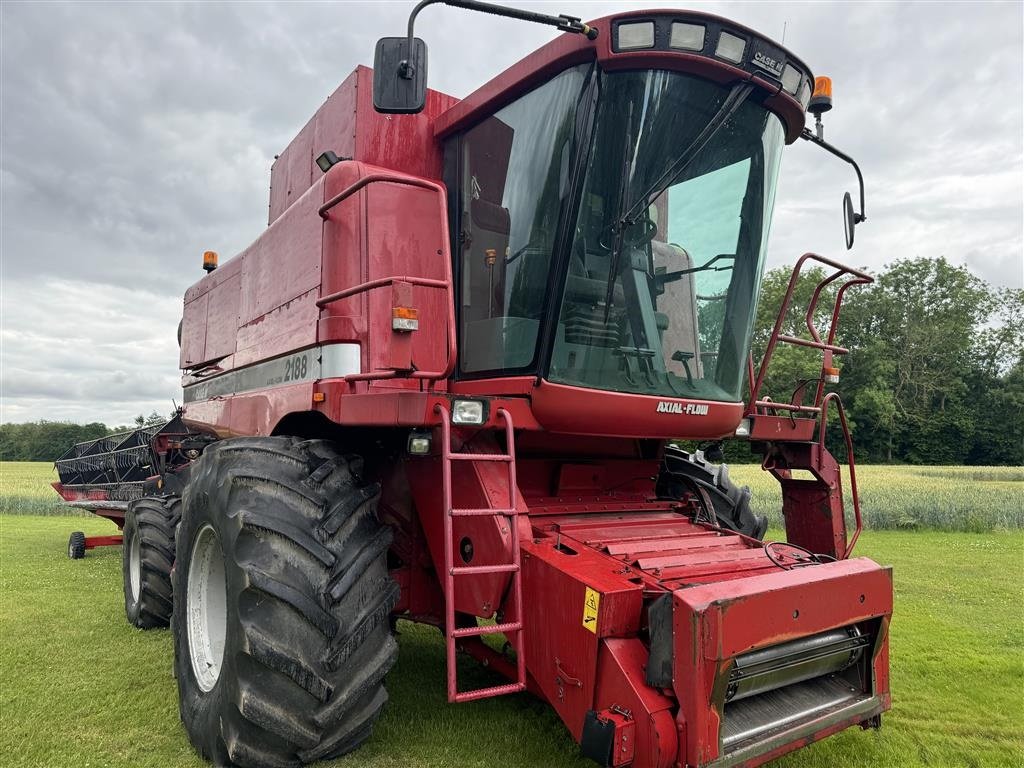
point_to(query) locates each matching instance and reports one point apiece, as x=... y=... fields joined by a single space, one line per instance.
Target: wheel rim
x=135 y=566
x=206 y=608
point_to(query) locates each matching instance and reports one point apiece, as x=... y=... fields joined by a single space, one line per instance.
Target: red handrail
x=426 y=282
x=829 y=348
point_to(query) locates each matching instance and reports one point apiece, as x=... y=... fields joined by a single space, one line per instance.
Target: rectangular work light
x=687 y=37
x=730 y=47
x=636 y=34
x=468 y=412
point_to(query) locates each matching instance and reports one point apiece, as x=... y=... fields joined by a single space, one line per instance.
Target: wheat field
x=974 y=499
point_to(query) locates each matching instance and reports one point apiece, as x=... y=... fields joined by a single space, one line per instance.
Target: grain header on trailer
x=440 y=386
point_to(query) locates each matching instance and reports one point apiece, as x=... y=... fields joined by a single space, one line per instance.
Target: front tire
x=281 y=631
x=683 y=472
x=147 y=556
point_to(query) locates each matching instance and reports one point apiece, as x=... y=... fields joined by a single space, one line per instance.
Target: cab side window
x=513 y=176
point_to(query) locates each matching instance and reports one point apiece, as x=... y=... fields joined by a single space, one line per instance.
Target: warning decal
x=591 y=602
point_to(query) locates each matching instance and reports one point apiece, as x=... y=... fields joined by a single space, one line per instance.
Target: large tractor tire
x=683 y=472
x=147 y=556
x=282 y=601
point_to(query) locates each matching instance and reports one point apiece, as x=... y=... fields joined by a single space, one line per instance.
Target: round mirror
x=849 y=220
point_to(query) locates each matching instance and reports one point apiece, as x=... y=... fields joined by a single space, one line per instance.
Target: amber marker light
x=210 y=261
x=319 y=397
x=405 y=319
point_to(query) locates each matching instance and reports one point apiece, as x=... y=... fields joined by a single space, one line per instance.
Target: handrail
x=829 y=348
x=849 y=460
x=425 y=282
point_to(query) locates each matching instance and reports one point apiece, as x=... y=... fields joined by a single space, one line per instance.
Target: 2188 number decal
x=296 y=368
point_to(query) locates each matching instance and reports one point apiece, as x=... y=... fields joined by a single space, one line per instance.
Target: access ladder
x=512 y=628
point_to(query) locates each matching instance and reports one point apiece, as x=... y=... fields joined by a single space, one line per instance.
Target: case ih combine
x=440 y=387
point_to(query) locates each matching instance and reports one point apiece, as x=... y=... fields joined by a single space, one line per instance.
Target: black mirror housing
x=849 y=219
x=399 y=79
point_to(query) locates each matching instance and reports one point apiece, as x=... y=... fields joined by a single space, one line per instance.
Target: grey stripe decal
x=329 y=361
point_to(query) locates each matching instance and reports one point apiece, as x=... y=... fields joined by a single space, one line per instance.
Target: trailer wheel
x=281 y=618
x=76 y=545
x=147 y=555
x=683 y=472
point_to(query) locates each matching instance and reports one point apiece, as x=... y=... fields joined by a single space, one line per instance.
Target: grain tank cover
x=347 y=125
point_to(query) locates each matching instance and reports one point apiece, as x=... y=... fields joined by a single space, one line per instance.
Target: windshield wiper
x=732 y=103
x=626 y=214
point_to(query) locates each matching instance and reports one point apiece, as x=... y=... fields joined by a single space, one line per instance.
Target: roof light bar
x=717 y=38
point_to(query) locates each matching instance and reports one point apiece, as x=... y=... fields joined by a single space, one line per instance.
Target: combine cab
x=442 y=385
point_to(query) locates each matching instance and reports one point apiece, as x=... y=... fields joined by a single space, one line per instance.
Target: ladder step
x=479 y=457
x=489 y=629
x=483 y=693
x=469 y=570
x=482 y=512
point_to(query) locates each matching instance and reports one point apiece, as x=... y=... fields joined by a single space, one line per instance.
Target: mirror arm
x=809 y=136
x=563 y=22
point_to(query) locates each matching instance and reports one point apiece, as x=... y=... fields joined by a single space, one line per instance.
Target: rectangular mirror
x=399 y=80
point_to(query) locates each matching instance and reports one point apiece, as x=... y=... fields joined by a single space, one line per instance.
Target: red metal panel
x=251 y=413
x=193 y=332
x=331 y=127
x=620 y=682
x=714 y=623
x=561 y=652
x=222 y=318
x=473 y=486
x=405 y=235
x=564 y=408
x=284 y=262
x=285 y=329
x=403 y=143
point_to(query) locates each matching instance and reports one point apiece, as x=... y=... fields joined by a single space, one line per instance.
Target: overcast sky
x=137 y=135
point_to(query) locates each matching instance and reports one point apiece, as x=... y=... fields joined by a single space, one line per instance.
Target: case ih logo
x=690 y=409
x=768 y=62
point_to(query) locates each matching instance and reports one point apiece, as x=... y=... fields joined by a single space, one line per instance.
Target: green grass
x=79 y=687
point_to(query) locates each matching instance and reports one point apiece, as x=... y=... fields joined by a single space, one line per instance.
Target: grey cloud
x=137 y=135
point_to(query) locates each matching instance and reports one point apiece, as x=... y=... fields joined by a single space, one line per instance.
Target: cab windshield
x=670 y=238
x=662 y=257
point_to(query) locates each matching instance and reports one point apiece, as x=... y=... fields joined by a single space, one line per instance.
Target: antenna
x=784 y=23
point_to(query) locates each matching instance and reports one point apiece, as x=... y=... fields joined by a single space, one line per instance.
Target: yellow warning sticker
x=591 y=602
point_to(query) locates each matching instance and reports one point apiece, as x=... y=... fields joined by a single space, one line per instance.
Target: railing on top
x=425 y=282
x=767 y=407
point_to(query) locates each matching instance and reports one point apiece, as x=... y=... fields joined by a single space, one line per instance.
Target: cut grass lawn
x=79 y=687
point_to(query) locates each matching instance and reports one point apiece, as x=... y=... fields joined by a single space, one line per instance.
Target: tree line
x=935 y=373
x=47 y=440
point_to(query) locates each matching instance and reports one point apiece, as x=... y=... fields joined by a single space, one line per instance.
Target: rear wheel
x=147 y=555
x=281 y=632
x=683 y=472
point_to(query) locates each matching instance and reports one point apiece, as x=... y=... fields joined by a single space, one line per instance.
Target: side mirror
x=849 y=219
x=400 y=77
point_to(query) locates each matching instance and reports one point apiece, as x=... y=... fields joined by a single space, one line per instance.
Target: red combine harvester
x=440 y=387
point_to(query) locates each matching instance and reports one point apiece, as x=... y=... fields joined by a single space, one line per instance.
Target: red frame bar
x=91 y=542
